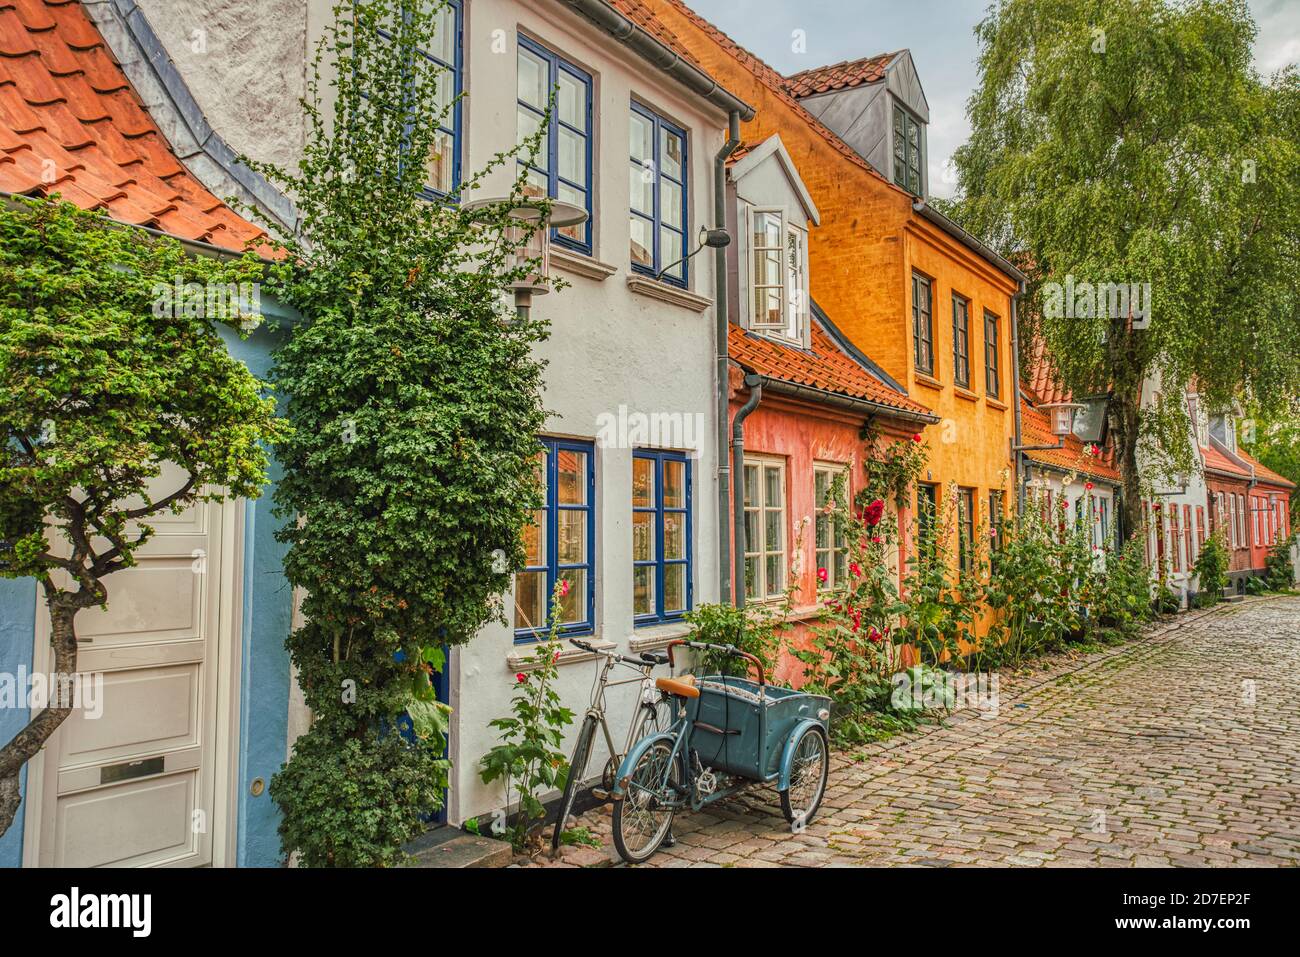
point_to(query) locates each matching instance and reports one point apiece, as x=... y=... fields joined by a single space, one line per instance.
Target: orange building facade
x=883 y=264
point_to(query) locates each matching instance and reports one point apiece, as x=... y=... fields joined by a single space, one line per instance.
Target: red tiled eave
x=1036 y=429
x=71 y=124
x=840 y=76
x=1216 y=461
x=1264 y=474
x=825 y=366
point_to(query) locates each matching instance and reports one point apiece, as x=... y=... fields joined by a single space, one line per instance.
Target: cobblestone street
x=1178 y=749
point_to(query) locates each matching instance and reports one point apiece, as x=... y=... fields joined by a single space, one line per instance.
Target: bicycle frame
x=597 y=707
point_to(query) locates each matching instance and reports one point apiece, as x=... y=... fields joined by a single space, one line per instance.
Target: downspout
x=1018 y=456
x=720 y=320
x=755 y=385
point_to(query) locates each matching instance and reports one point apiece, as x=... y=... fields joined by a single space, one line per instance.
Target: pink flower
x=557 y=655
x=564 y=587
x=874 y=511
x=876 y=539
x=855 y=569
x=822 y=575
x=520 y=678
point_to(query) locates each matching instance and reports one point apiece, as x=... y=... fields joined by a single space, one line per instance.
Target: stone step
x=452 y=847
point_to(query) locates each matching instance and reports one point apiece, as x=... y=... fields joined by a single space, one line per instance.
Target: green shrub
x=756 y=629
x=1211 y=570
x=1119 y=596
x=1279 y=570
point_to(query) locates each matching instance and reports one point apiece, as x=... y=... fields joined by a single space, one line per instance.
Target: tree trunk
x=27 y=742
x=1125 y=422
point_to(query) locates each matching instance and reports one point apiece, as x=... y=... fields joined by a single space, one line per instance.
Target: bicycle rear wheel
x=577 y=768
x=644 y=817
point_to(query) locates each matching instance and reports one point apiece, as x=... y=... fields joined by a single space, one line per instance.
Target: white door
x=135 y=787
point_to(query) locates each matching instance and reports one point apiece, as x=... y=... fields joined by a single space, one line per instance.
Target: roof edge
x=775 y=146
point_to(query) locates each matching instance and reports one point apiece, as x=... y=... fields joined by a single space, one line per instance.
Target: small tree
x=1211 y=569
x=102 y=382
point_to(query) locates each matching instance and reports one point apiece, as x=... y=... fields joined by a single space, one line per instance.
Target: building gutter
x=847 y=403
x=1017 y=456
x=723 y=379
x=968 y=240
x=631 y=35
x=755 y=385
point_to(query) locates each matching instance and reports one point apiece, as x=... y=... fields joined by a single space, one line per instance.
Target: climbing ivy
x=415 y=401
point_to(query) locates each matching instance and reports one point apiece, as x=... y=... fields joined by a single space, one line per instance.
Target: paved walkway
x=1180 y=749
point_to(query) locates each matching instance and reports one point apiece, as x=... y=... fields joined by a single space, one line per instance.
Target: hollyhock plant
x=873 y=513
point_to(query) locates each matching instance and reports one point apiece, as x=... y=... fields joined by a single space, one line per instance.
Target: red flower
x=916 y=438
x=1088 y=486
x=874 y=511
x=875 y=636
x=855 y=569
x=564 y=587
x=521 y=678
x=822 y=575
x=857 y=619
x=875 y=539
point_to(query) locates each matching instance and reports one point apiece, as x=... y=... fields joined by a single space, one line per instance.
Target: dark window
x=927 y=510
x=992 y=370
x=922 y=324
x=966 y=528
x=658 y=180
x=960 y=341
x=995 y=520
x=560 y=543
x=562 y=170
x=907 y=151
x=661 y=536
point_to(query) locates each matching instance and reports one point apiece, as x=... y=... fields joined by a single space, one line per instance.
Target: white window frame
x=831 y=470
x=762 y=549
x=795 y=304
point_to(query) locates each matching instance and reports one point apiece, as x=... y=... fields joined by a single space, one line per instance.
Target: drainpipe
x=755 y=385
x=720 y=321
x=1018 y=457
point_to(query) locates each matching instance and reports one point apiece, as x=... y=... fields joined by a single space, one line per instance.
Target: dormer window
x=778 y=279
x=907 y=151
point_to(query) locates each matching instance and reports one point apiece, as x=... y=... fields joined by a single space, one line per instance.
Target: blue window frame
x=658 y=178
x=563 y=169
x=444 y=165
x=661 y=536
x=560 y=543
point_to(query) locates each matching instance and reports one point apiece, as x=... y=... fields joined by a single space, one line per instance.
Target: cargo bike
x=726 y=734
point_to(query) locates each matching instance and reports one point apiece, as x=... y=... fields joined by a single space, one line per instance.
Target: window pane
x=643 y=536
x=571 y=535
x=767 y=230
x=643 y=483
x=533 y=79
x=773 y=490
x=674 y=588
x=772 y=530
x=674 y=535
x=753 y=542
x=573 y=606
x=823 y=530
x=751 y=577
x=572 y=101
x=641 y=138
x=767 y=267
x=572 y=156
x=670 y=251
x=578 y=198
x=444 y=38
x=441 y=167
x=674 y=484
x=571 y=477
x=767 y=305
x=643 y=590
x=535 y=539
x=670 y=204
x=642 y=243
x=642 y=186
x=528 y=125
x=535 y=183
x=530 y=600
x=751 y=485
x=670 y=157
x=774 y=580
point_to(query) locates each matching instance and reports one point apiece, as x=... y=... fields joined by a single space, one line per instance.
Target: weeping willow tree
x=1129 y=152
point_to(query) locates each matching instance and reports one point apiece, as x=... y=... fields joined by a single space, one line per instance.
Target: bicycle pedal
x=600 y=794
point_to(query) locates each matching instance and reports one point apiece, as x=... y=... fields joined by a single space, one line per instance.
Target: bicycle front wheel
x=643 y=818
x=577 y=769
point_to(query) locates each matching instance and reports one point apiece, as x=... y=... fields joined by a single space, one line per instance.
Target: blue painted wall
x=264 y=678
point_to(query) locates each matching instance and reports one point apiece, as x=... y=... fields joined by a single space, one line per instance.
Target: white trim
x=772 y=146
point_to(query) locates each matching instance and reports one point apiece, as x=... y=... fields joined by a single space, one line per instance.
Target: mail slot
x=127 y=770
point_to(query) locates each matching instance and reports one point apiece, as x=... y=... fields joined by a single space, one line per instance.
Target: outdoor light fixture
x=1061 y=415
x=717 y=238
x=532 y=241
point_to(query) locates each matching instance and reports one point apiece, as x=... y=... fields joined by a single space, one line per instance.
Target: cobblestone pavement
x=1179 y=749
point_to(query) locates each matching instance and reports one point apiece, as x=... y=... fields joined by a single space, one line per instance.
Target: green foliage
x=353 y=802
x=1132 y=142
x=528 y=761
x=1274 y=439
x=102 y=382
x=1119 y=594
x=756 y=629
x=893 y=468
x=1211 y=569
x=1279 y=569
x=415 y=404
x=940 y=599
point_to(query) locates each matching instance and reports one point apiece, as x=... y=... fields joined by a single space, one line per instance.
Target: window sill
x=520 y=660
x=580 y=264
x=928 y=381
x=655 y=637
x=645 y=286
x=964 y=393
x=993 y=403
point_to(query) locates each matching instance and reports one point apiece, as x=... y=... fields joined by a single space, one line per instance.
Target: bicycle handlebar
x=731 y=650
x=640 y=662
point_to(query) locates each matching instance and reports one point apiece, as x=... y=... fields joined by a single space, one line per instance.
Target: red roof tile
x=840 y=76
x=1218 y=462
x=825 y=366
x=643 y=16
x=71 y=124
x=1041 y=378
x=1036 y=429
x=1263 y=473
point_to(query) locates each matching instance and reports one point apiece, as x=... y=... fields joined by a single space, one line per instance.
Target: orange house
x=929 y=304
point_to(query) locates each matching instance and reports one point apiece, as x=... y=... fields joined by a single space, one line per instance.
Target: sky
x=940 y=34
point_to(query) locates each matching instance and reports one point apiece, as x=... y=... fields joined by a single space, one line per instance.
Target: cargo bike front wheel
x=644 y=815
x=809 y=768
